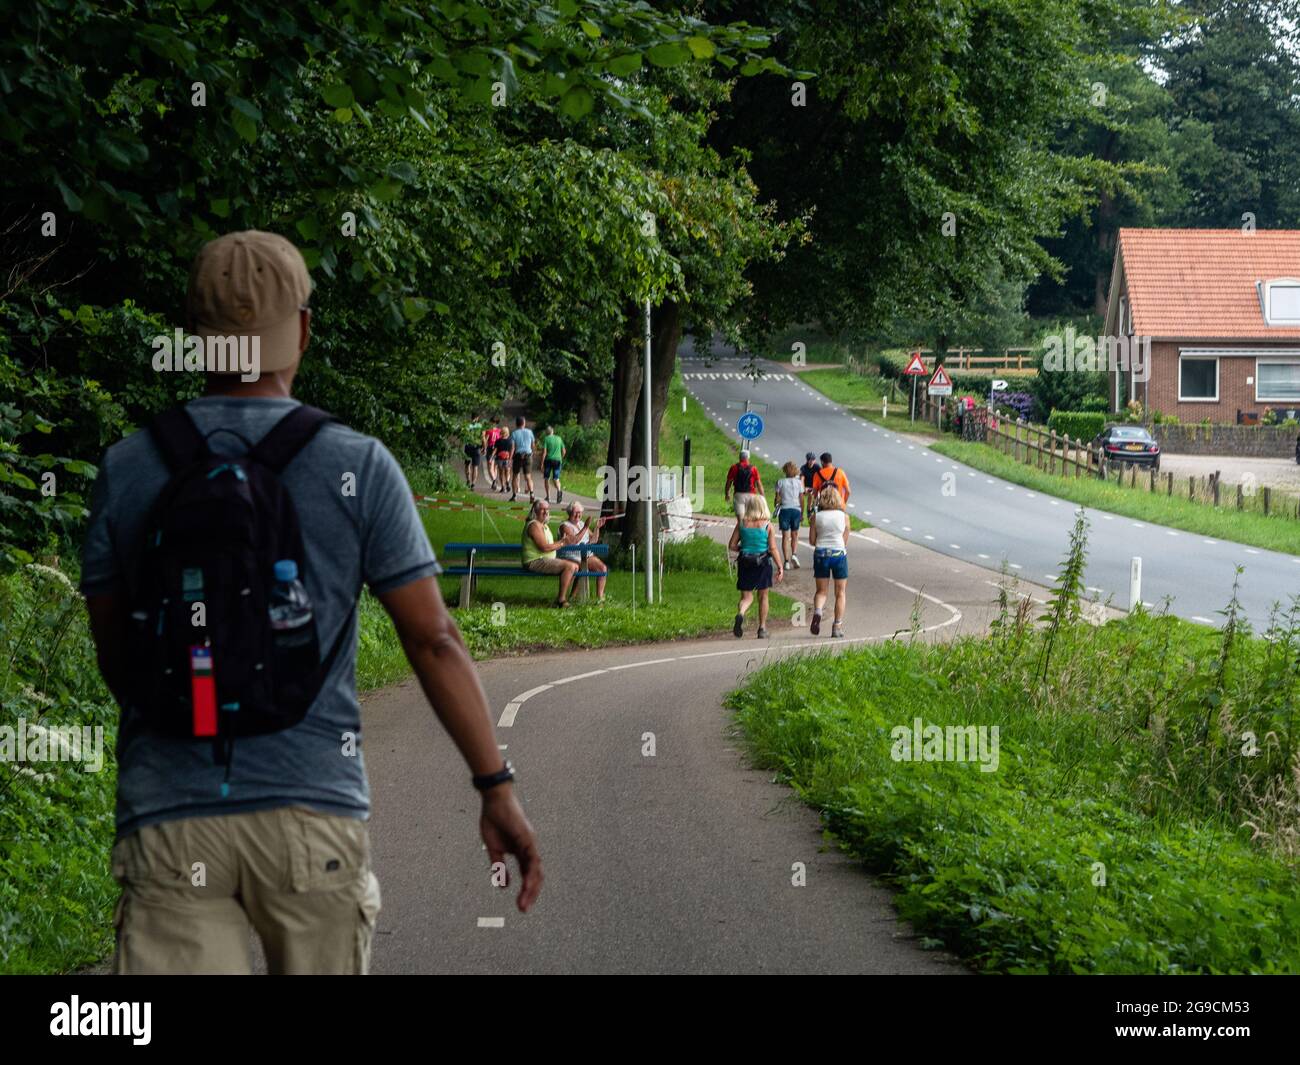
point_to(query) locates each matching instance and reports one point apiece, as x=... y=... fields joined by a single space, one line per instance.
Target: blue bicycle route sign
x=750 y=426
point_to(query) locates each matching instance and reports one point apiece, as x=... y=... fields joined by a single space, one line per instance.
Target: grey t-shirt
x=359 y=523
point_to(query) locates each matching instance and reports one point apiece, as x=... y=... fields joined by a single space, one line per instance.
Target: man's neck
x=267 y=386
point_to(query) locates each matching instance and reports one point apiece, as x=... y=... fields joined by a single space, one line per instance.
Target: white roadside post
x=1135 y=583
x=649 y=458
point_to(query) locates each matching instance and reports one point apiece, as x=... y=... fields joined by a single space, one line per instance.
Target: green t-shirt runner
x=554 y=447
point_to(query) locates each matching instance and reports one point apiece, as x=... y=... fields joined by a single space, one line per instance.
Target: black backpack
x=213 y=537
x=749 y=473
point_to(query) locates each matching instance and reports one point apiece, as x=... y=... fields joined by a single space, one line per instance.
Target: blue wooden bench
x=498 y=557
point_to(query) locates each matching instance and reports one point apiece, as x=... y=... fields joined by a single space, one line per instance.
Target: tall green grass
x=1144 y=812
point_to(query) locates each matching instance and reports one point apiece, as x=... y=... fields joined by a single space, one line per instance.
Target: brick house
x=1220 y=309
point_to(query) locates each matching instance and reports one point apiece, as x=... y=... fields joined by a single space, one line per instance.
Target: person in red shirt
x=744 y=481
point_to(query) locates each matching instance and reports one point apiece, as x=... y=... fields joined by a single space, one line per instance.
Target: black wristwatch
x=491 y=780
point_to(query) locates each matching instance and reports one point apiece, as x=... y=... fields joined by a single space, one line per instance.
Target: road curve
x=680 y=862
x=899 y=485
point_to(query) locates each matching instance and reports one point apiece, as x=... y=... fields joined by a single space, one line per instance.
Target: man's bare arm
x=107 y=627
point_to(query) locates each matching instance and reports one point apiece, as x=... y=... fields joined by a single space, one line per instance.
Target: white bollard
x=884 y=406
x=1135 y=583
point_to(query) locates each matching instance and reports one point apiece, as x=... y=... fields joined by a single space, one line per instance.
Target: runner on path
x=808 y=471
x=829 y=535
x=786 y=501
x=522 y=442
x=755 y=541
x=473 y=454
x=554 y=450
x=745 y=481
x=491 y=435
x=831 y=476
x=505 y=452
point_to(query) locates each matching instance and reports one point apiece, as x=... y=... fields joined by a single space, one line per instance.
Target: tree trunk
x=622 y=412
x=588 y=405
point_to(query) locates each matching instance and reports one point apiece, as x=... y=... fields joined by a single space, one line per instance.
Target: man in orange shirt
x=830 y=474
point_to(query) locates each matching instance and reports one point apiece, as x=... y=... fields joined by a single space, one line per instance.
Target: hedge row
x=1077 y=424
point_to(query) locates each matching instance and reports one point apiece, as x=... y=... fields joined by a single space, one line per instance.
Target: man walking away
x=808 y=471
x=830 y=476
x=552 y=464
x=239 y=749
x=521 y=443
x=473 y=454
x=743 y=478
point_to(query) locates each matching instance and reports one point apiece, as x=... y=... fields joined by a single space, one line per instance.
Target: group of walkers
x=818 y=491
x=508 y=456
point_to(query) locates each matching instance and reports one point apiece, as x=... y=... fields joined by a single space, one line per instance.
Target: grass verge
x=862 y=395
x=1277 y=533
x=699 y=595
x=1126 y=826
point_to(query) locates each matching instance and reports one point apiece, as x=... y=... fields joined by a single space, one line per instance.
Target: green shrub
x=699 y=553
x=56 y=819
x=1077 y=425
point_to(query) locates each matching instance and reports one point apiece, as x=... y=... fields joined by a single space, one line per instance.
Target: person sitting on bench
x=537 y=549
x=582 y=531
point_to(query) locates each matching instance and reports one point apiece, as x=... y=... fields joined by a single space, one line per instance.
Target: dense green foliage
x=479 y=189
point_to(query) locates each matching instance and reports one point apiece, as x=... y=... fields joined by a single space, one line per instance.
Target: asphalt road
x=898 y=484
x=678 y=862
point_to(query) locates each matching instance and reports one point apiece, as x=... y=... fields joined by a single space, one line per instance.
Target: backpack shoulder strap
x=288 y=436
x=178 y=438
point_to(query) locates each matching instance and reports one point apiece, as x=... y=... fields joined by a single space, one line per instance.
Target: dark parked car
x=1129 y=443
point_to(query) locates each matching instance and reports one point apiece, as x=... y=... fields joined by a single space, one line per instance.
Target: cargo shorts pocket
x=326 y=852
x=152 y=855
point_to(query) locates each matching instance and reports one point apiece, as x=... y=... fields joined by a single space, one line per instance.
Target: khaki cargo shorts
x=192 y=888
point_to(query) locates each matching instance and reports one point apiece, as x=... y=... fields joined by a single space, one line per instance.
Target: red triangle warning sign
x=916 y=365
x=940 y=379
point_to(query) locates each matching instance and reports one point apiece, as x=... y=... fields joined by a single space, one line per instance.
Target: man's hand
x=506 y=830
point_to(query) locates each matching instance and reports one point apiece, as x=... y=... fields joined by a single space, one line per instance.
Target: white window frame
x=1198 y=358
x=1292 y=357
x=1266 y=299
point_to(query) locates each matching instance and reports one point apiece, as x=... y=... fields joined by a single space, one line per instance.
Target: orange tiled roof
x=1200 y=283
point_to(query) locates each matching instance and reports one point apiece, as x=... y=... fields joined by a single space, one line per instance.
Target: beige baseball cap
x=251 y=284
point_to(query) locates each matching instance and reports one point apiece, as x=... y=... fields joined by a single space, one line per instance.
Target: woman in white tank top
x=829 y=536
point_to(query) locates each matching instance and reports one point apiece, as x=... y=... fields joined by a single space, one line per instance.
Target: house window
x=1198 y=379
x=1282 y=302
x=1278 y=381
